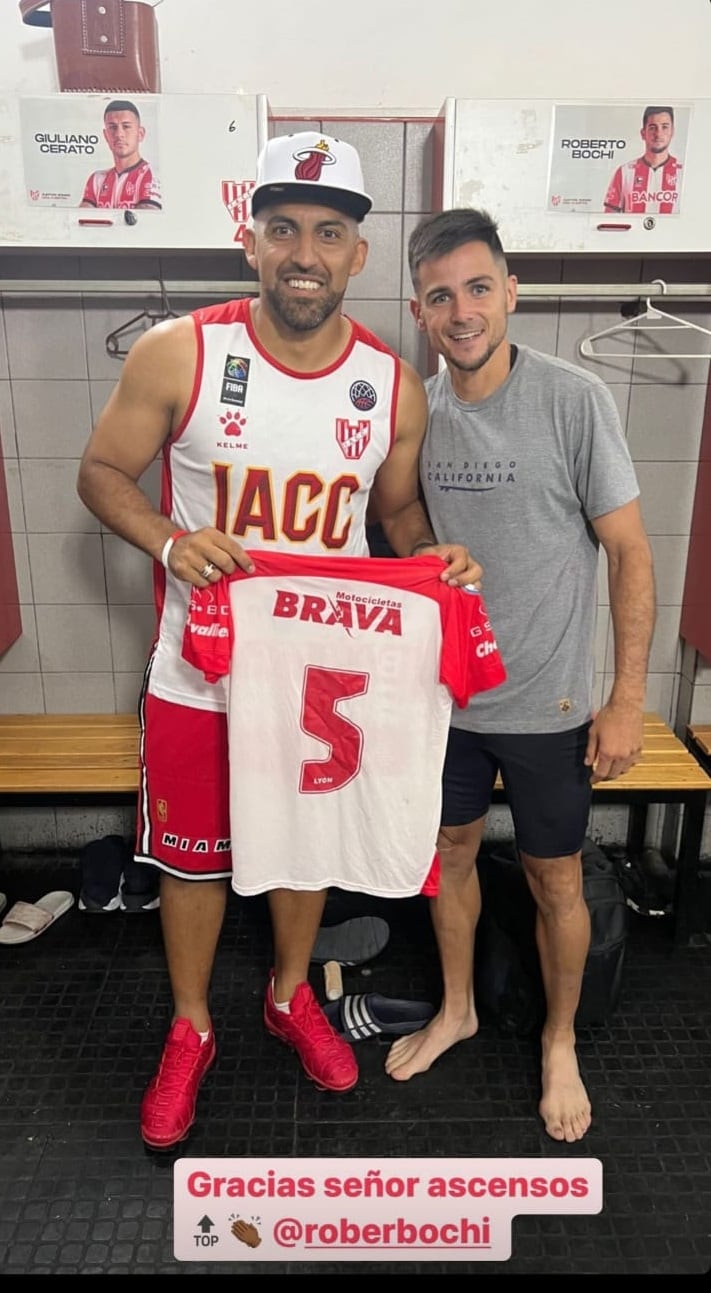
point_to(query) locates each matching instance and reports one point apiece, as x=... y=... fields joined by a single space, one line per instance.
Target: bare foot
x=564 y=1107
x=416 y=1053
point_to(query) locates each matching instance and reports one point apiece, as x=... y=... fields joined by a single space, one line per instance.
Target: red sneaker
x=326 y=1058
x=168 y=1106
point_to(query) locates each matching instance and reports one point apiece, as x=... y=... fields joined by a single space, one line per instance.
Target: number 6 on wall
x=323 y=690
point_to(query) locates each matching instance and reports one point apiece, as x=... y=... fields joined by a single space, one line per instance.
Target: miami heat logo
x=353 y=437
x=311 y=161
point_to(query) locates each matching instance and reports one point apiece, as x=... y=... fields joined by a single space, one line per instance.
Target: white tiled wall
x=87 y=596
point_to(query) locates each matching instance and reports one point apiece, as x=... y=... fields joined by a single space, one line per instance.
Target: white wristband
x=166 y=551
x=168 y=545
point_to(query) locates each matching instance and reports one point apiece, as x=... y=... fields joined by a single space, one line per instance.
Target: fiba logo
x=237 y=368
x=363 y=396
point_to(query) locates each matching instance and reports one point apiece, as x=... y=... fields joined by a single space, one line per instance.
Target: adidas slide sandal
x=368 y=1014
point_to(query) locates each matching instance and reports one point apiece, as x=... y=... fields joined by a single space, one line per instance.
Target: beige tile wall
x=86 y=596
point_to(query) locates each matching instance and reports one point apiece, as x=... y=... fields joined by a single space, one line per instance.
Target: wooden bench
x=68 y=758
x=81 y=758
x=698 y=737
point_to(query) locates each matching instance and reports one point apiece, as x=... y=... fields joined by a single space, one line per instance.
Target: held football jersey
x=340 y=674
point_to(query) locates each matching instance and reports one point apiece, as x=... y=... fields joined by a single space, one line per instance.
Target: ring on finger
x=207 y=570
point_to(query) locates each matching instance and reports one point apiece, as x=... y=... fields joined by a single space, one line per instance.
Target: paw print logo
x=233 y=423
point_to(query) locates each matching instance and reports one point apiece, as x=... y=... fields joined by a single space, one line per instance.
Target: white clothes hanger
x=651 y=317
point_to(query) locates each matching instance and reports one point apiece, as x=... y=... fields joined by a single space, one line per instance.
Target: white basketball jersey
x=281 y=460
x=340 y=675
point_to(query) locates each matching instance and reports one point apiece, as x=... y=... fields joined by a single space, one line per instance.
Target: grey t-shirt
x=518 y=478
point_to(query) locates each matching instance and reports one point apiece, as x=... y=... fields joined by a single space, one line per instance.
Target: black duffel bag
x=507 y=983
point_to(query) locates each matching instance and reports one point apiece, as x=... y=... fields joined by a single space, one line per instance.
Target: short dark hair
x=653 y=111
x=438 y=235
x=122 y=105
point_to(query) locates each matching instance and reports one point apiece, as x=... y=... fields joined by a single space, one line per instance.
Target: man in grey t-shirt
x=525 y=461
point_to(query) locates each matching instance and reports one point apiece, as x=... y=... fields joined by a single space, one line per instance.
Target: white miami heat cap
x=311 y=167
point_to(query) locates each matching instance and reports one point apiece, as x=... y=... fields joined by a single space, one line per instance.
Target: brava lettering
x=348 y=615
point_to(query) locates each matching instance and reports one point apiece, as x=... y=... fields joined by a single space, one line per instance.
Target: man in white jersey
x=277 y=419
x=525 y=457
x=650 y=184
x=130 y=182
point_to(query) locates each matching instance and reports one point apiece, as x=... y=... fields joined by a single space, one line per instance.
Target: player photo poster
x=618 y=158
x=93 y=151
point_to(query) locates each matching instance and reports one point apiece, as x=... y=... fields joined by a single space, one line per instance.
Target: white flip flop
x=27 y=920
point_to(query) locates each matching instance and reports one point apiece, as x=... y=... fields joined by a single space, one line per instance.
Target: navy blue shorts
x=547 y=785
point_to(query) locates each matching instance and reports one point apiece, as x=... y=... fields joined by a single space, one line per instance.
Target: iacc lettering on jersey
x=308 y=506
